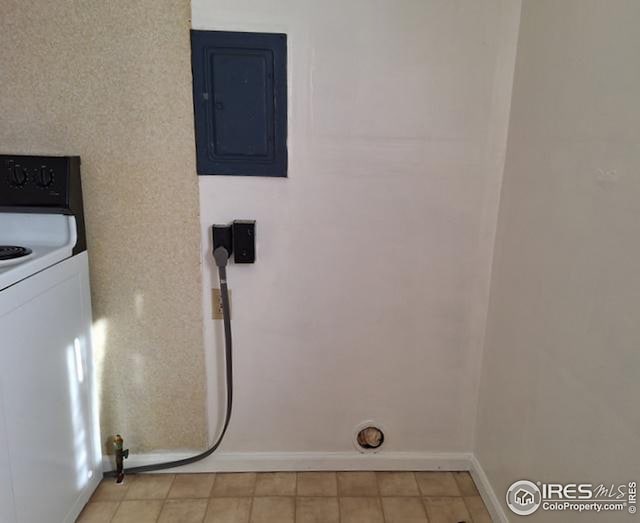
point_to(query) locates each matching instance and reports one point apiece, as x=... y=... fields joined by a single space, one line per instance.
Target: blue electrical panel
x=240 y=102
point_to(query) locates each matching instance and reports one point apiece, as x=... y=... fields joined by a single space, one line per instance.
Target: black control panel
x=43 y=184
x=35 y=181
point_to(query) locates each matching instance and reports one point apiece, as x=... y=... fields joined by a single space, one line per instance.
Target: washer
x=50 y=455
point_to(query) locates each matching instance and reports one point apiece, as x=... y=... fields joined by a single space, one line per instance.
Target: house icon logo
x=523 y=497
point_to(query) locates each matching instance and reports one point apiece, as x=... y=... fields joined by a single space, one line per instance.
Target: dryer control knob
x=17 y=175
x=45 y=177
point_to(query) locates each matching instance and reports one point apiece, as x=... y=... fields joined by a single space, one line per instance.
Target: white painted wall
x=560 y=381
x=369 y=295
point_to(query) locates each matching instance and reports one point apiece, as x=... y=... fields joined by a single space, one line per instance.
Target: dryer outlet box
x=244 y=241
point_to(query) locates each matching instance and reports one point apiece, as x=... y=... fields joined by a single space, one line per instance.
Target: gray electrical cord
x=221 y=256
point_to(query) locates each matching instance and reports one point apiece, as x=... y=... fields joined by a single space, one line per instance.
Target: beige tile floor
x=289 y=497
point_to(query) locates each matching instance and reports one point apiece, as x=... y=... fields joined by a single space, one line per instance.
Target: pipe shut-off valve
x=121 y=455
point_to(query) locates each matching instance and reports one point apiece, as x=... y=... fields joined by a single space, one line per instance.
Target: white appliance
x=50 y=456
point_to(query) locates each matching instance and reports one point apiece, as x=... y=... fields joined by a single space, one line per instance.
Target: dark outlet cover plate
x=244 y=241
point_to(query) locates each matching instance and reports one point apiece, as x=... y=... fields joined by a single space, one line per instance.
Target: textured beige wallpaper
x=111 y=81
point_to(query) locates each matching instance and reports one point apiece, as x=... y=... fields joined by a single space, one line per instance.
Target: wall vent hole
x=370 y=438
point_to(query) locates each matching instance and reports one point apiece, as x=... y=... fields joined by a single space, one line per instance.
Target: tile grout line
x=379 y=498
x=464 y=502
x=166 y=496
x=253 y=497
x=250 y=509
x=115 y=511
x=295 y=499
x=338 y=497
x=422 y=503
x=119 y=502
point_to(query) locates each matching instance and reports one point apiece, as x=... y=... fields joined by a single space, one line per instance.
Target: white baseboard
x=298 y=461
x=489 y=497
